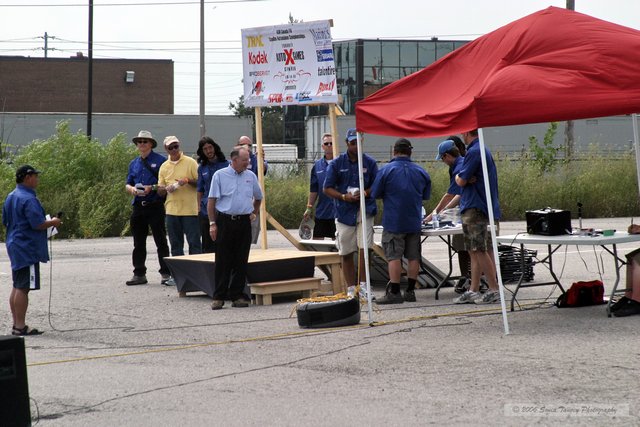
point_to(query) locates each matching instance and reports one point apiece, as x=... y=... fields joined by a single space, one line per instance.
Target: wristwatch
x=212 y=223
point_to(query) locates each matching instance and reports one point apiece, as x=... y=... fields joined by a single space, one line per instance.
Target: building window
x=426 y=53
x=390 y=53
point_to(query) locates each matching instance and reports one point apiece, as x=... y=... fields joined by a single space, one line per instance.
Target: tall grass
x=85 y=178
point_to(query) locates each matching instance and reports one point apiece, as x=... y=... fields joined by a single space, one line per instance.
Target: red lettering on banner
x=258 y=58
x=275 y=98
x=289 y=53
x=326 y=87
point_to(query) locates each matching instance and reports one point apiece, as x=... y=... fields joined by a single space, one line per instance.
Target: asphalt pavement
x=142 y=356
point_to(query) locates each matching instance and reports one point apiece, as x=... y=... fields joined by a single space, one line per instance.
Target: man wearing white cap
x=148 y=208
x=178 y=179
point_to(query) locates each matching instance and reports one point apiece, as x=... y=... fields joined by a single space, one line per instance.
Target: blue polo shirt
x=253 y=164
x=341 y=174
x=474 y=195
x=140 y=174
x=234 y=192
x=21 y=214
x=402 y=185
x=205 y=174
x=454 y=188
x=325 y=209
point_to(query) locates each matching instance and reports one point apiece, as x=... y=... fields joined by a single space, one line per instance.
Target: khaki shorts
x=477 y=236
x=349 y=237
x=398 y=245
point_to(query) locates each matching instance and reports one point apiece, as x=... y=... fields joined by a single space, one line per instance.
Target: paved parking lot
x=141 y=356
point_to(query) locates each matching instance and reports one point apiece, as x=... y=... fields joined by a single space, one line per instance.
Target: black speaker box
x=548 y=222
x=14 y=388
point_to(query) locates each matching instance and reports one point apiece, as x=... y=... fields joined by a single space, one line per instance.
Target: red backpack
x=581 y=294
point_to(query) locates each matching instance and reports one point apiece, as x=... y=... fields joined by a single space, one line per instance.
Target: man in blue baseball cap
x=343 y=185
x=450 y=154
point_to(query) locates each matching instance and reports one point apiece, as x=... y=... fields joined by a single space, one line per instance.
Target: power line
x=172 y=3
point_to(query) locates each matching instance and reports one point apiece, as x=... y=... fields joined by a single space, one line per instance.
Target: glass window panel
x=337 y=51
x=351 y=77
x=351 y=58
x=426 y=53
x=457 y=45
x=443 y=48
x=390 y=53
x=389 y=74
x=371 y=53
x=370 y=74
x=405 y=71
x=408 y=54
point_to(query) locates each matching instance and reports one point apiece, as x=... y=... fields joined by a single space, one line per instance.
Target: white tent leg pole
x=634 y=119
x=496 y=254
x=363 y=229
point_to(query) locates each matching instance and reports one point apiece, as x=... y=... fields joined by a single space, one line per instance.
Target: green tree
x=545 y=156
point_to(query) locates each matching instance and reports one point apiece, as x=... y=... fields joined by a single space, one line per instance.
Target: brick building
x=60 y=85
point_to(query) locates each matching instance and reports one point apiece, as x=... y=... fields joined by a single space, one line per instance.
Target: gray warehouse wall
x=21 y=128
x=610 y=134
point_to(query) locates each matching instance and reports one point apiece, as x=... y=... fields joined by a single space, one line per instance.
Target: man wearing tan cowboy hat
x=148 y=208
x=177 y=179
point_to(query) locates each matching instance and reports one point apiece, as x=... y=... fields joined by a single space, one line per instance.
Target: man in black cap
x=402 y=185
x=148 y=208
x=27 y=225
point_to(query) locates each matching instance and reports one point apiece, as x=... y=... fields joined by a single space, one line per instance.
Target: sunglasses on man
x=173 y=147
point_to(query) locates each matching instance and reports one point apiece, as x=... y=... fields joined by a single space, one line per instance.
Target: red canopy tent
x=552 y=65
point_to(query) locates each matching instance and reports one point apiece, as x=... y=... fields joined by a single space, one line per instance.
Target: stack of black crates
x=511 y=263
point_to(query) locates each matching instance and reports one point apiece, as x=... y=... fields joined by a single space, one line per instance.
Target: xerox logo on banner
x=288 y=64
x=289 y=56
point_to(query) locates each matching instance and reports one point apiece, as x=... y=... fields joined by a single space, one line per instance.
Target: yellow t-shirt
x=184 y=200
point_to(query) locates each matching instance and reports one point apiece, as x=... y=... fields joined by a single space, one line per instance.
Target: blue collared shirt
x=205 y=174
x=234 y=192
x=341 y=174
x=140 y=174
x=402 y=185
x=474 y=195
x=21 y=214
x=325 y=209
x=454 y=188
x=253 y=164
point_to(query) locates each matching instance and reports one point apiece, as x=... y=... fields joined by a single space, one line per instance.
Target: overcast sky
x=151 y=29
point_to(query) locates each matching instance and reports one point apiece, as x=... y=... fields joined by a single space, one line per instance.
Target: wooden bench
x=264 y=290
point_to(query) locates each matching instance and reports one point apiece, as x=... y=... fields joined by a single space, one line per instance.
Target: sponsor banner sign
x=289 y=64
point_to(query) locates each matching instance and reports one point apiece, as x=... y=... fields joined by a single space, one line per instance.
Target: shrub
x=81 y=177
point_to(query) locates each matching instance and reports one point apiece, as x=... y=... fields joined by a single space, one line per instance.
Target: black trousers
x=232 y=255
x=208 y=245
x=143 y=218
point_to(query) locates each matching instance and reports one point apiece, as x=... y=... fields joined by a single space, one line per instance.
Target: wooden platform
x=196 y=272
x=263 y=291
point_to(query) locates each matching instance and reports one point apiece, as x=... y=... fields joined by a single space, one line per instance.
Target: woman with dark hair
x=210 y=159
x=459 y=144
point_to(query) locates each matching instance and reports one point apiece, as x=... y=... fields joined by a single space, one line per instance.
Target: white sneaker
x=468 y=297
x=363 y=292
x=491 y=297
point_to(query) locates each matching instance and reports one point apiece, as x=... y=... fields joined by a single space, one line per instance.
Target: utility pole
x=45 y=43
x=90 y=79
x=203 y=130
x=569 y=142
